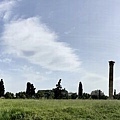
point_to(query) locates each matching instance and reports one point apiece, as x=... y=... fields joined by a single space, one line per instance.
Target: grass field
x=59 y=109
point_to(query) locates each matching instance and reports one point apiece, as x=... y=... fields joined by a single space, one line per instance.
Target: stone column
x=111 y=64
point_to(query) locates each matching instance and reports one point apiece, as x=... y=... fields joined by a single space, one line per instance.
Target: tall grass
x=59 y=109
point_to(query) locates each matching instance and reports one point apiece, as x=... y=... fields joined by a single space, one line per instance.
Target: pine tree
x=80 y=90
x=30 y=91
x=2 y=89
x=57 y=90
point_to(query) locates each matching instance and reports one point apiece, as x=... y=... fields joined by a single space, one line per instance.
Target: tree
x=30 y=91
x=85 y=96
x=47 y=94
x=21 y=95
x=57 y=90
x=74 y=95
x=39 y=94
x=60 y=93
x=2 y=89
x=98 y=94
x=64 y=94
x=80 y=90
x=9 y=95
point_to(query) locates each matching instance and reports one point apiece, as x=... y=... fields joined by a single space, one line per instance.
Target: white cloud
x=93 y=81
x=92 y=77
x=6 y=9
x=34 y=41
x=29 y=74
x=49 y=72
x=6 y=60
x=16 y=79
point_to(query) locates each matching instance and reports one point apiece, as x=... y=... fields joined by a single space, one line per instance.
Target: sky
x=43 y=41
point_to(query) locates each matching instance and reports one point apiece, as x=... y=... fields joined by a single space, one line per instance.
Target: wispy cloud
x=6 y=9
x=92 y=81
x=92 y=77
x=30 y=74
x=6 y=60
x=34 y=41
x=16 y=78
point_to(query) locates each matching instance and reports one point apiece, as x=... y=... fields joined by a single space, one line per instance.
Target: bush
x=9 y=95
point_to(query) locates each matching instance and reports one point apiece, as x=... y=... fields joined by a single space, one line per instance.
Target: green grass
x=59 y=109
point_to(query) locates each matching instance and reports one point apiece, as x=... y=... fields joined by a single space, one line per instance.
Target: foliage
x=73 y=96
x=99 y=97
x=47 y=94
x=2 y=89
x=64 y=94
x=117 y=96
x=57 y=90
x=59 y=109
x=85 y=96
x=21 y=95
x=30 y=91
x=9 y=95
x=80 y=90
x=39 y=94
x=60 y=93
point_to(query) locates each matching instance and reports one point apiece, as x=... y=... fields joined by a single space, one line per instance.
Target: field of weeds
x=18 y=109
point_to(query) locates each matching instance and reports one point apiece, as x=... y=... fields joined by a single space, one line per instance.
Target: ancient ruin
x=111 y=65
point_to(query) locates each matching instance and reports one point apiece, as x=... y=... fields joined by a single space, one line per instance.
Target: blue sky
x=43 y=41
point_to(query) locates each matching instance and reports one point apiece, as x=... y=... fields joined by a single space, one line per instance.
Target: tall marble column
x=111 y=65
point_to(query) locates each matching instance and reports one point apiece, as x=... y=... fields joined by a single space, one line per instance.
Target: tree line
x=56 y=93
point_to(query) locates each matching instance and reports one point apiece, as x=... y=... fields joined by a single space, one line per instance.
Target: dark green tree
x=9 y=95
x=80 y=90
x=64 y=94
x=86 y=96
x=60 y=93
x=21 y=95
x=46 y=94
x=57 y=90
x=39 y=94
x=74 y=96
x=30 y=90
x=2 y=89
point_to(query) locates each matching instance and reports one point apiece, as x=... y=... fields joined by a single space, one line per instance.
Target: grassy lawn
x=59 y=109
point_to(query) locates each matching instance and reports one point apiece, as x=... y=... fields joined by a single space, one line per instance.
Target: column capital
x=111 y=62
